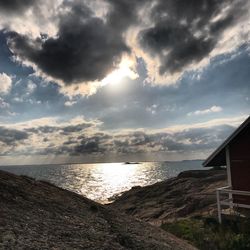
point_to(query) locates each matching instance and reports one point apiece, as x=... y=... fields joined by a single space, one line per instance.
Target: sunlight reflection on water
x=104 y=180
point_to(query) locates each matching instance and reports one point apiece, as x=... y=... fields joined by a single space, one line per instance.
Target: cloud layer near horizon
x=79 y=137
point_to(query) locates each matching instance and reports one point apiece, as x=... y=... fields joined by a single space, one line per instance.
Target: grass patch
x=207 y=233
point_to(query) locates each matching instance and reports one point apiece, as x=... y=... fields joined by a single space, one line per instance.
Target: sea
x=103 y=182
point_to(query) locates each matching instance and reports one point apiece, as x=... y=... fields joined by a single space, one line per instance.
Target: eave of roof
x=211 y=160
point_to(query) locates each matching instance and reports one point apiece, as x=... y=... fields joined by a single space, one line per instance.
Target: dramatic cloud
x=124 y=13
x=30 y=17
x=85 y=139
x=5 y=83
x=141 y=142
x=87 y=147
x=45 y=135
x=84 y=49
x=55 y=55
x=63 y=129
x=76 y=128
x=185 y=33
x=15 y=6
x=86 y=40
x=10 y=137
x=87 y=143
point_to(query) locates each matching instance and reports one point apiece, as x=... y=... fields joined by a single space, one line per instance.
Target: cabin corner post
x=218 y=205
x=229 y=177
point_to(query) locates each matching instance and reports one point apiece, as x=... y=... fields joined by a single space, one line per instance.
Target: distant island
x=130 y=162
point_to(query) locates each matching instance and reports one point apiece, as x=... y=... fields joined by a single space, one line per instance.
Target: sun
x=124 y=70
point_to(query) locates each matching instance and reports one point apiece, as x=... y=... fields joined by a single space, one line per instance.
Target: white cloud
x=213 y=109
x=5 y=83
x=69 y=103
x=232 y=121
x=40 y=18
x=31 y=86
x=51 y=121
x=3 y=104
x=152 y=109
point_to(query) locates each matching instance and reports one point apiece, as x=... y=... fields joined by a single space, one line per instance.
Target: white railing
x=229 y=201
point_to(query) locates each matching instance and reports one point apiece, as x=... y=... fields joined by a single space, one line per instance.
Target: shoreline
x=40 y=215
x=49 y=212
x=191 y=193
x=109 y=180
x=89 y=163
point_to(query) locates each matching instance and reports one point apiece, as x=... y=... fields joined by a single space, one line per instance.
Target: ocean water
x=102 y=181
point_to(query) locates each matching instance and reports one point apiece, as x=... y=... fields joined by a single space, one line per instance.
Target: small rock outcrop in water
x=190 y=193
x=38 y=215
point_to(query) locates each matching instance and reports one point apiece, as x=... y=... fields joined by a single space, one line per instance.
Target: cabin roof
x=218 y=157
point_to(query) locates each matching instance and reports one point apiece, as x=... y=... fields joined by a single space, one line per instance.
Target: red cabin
x=234 y=153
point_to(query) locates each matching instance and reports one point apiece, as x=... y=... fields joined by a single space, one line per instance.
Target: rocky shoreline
x=190 y=193
x=38 y=215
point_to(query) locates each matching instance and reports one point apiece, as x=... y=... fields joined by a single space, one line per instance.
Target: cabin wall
x=239 y=151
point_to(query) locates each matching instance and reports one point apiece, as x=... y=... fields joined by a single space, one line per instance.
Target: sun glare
x=124 y=70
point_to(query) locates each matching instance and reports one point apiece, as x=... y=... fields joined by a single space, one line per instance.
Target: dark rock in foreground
x=39 y=215
x=190 y=193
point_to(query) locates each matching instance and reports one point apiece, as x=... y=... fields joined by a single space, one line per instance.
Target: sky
x=116 y=80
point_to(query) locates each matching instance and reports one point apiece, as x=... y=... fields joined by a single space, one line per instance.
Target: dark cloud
x=103 y=143
x=190 y=140
x=185 y=32
x=63 y=130
x=123 y=13
x=43 y=129
x=89 y=146
x=127 y=108
x=14 y=6
x=75 y=128
x=55 y=150
x=99 y=143
x=75 y=147
x=85 y=48
x=11 y=137
x=70 y=142
x=184 y=141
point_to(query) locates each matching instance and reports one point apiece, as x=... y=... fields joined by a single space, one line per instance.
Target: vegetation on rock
x=207 y=234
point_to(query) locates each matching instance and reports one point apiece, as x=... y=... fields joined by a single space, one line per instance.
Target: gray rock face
x=38 y=215
x=190 y=193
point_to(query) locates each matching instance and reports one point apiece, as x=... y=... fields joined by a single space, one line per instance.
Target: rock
x=190 y=193
x=8 y=238
x=39 y=215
